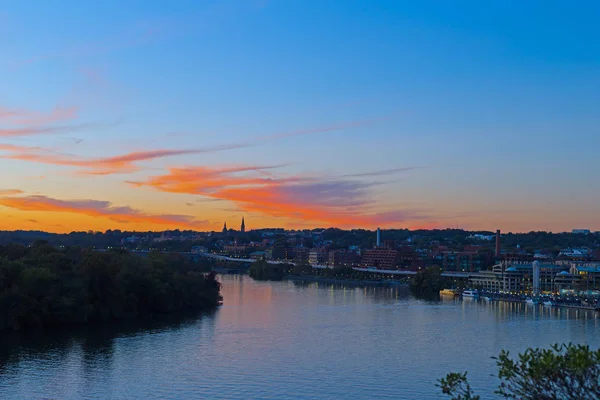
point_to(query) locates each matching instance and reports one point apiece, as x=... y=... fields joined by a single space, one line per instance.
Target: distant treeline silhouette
x=44 y=286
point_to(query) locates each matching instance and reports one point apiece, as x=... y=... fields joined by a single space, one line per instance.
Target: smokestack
x=498 y=243
x=378 y=237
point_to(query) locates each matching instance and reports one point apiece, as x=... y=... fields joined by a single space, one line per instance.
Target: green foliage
x=42 y=286
x=264 y=271
x=302 y=269
x=456 y=385
x=428 y=282
x=567 y=371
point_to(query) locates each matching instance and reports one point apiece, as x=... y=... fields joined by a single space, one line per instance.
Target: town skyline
x=147 y=117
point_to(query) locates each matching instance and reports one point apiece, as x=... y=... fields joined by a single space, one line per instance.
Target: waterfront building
x=318 y=256
x=343 y=258
x=301 y=255
x=537 y=277
x=517 y=277
x=380 y=258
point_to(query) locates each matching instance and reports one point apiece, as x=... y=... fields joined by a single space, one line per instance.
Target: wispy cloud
x=10 y=192
x=380 y=173
x=337 y=201
x=28 y=117
x=128 y=162
x=97 y=208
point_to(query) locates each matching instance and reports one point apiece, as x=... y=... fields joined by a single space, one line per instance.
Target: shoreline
x=352 y=282
x=555 y=305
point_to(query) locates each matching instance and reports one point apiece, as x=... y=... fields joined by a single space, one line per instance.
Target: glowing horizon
x=299 y=115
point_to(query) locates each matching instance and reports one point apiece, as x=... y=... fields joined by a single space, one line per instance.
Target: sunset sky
x=154 y=115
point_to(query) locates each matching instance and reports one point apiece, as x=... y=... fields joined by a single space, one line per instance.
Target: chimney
x=498 y=243
x=378 y=237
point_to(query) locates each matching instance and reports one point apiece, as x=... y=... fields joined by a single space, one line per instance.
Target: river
x=287 y=340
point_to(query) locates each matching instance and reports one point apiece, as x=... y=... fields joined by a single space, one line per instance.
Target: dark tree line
x=42 y=286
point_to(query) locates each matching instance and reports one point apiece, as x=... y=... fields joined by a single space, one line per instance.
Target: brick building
x=343 y=258
x=380 y=257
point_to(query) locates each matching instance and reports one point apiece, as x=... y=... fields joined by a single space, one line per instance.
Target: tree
x=428 y=282
x=567 y=371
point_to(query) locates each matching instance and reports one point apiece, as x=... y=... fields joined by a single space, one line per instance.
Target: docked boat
x=470 y=293
x=548 y=303
x=447 y=292
x=487 y=298
x=531 y=301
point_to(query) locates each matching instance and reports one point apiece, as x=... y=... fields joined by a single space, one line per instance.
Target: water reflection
x=95 y=345
x=288 y=340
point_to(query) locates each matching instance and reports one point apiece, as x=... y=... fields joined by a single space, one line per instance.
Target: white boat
x=470 y=293
x=487 y=298
x=548 y=303
x=532 y=301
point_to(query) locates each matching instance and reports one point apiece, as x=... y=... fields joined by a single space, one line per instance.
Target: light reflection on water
x=288 y=340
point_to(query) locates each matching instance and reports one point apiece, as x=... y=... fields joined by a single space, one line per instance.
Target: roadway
x=451 y=274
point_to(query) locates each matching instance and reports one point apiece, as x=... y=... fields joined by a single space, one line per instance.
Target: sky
x=155 y=115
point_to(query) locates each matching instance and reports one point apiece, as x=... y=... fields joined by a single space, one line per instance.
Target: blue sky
x=492 y=106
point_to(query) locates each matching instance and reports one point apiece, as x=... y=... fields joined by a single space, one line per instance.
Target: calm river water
x=284 y=340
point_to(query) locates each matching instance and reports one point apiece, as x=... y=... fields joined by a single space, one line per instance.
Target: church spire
x=243 y=227
x=225 y=227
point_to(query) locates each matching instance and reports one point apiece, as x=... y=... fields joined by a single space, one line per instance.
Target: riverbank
x=46 y=287
x=352 y=282
x=555 y=302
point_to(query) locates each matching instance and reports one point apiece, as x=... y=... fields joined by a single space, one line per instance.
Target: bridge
x=373 y=270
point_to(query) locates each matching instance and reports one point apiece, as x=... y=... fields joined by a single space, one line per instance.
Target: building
x=343 y=258
x=257 y=255
x=235 y=250
x=479 y=236
x=225 y=227
x=302 y=254
x=576 y=254
x=275 y=253
x=409 y=258
x=199 y=250
x=526 y=277
x=464 y=261
x=380 y=258
x=243 y=226
x=580 y=231
x=318 y=256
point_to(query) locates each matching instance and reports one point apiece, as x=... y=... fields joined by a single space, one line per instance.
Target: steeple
x=225 y=227
x=243 y=227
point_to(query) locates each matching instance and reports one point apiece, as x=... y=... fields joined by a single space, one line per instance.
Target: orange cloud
x=96 y=208
x=340 y=201
x=100 y=166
